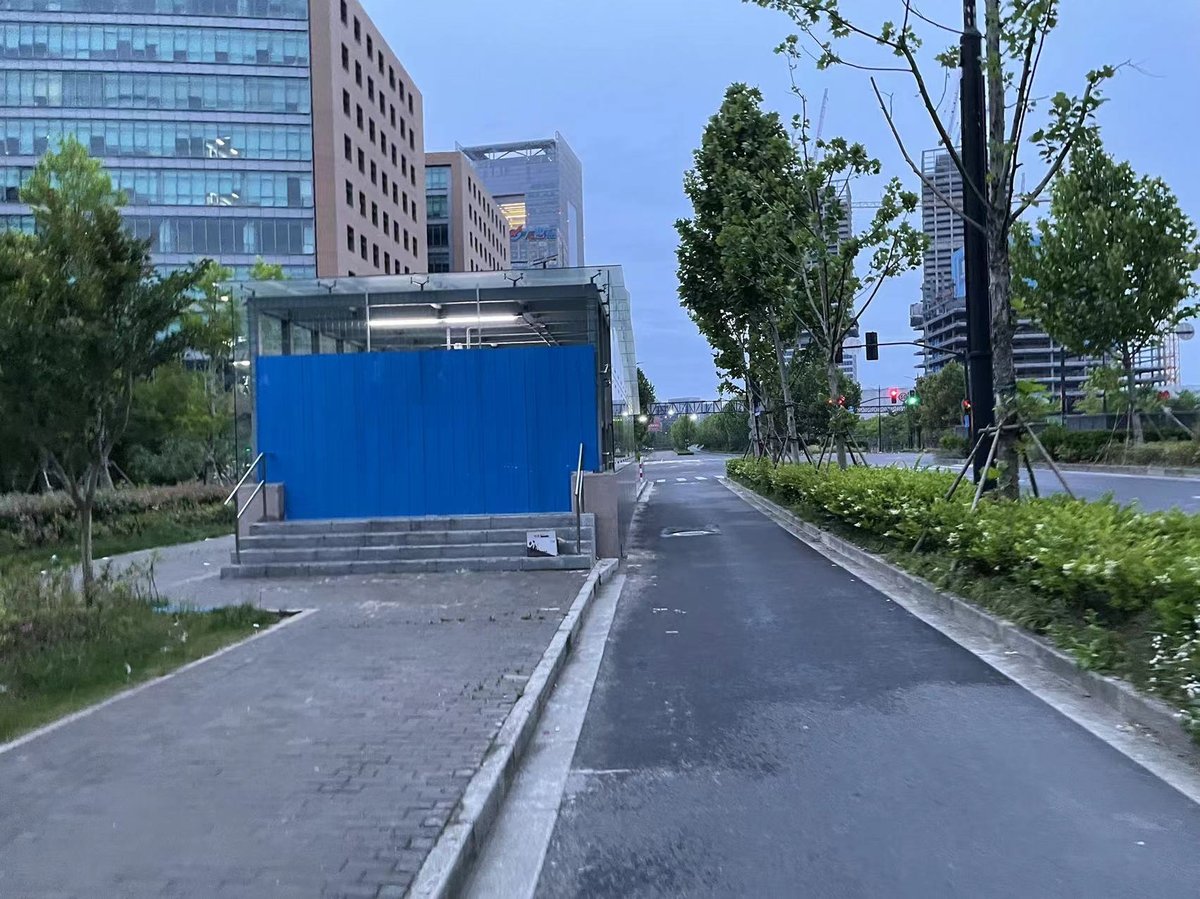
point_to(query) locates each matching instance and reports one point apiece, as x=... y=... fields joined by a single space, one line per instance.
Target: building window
x=362 y=246
x=395 y=197
x=437 y=177
x=383 y=148
x=371 y=130
x=373 y=170
x=403 y=165
x=357 y=30
x=362 y=161
x=396 y=231
x=391 y=78
x=343 y=12
x=347 y=147
x=358 y=116
x=439 y=236
x=414 y=244
x=375 y=214
x=400 y=88
x=387 y=223
x=397 y=269
x=346 y=102
x=358 y=73
x=387 y=261
x=383 y=178
x=410 y=103
x=406 y=201
x=392 y=114
x=380 y=62
x=375 y=255
x=382 y=102
x=412 y=139
x=349 y=194
x=370 y=88
x=412 y=175
x=345 y=57
x=406 y=271
x=370 y=47
x=403 y=128
x=406 y=238
x=393 y=154
x=350 y=238
x=436 y=207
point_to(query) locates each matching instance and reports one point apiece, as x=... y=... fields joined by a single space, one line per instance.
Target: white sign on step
x=542 y=543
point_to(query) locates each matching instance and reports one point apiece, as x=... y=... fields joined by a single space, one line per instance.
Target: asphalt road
x=1150 y=492
x=764 y=724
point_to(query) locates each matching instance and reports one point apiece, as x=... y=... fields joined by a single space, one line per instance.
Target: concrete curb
x=445 y=869
x=1156 y=471
x=1145 y=711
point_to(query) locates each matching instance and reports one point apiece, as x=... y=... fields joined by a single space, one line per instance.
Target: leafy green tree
x=724 y=431
x=738 y=169
x=1185 y=401
x=942 y=394
x=1108 y=272
x=83 y=318
x=266 y=271
x=646 y=399
x=819 y=413
x=1015 y=33
x=683 y=433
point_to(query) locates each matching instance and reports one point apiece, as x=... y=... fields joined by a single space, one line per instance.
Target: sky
x=631 y=84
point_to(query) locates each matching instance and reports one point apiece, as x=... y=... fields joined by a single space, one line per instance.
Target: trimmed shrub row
x=33 y=520
x=1110 y=566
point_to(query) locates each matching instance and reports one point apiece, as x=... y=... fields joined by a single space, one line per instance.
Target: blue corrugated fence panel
x=428 y=433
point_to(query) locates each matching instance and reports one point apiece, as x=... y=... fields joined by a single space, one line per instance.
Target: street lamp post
x=975 y=250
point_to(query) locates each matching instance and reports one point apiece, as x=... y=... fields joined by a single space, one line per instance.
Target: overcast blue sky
x=631 y=83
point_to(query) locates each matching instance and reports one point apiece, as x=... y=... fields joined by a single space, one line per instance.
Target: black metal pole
x=974 y=157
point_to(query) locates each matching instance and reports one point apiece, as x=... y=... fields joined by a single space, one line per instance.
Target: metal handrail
x=579 y=503
x=260 y=487
x=253 y=465
x=257 y=490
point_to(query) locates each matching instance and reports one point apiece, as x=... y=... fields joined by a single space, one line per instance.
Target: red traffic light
x=894 y=393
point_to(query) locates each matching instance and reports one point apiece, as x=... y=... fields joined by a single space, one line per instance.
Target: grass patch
x=156 y=531
x=59 y=653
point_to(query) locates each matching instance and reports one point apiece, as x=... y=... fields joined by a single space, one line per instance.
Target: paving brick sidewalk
x=322 y=760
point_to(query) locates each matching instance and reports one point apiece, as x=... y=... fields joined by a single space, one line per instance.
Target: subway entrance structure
x=426 y=422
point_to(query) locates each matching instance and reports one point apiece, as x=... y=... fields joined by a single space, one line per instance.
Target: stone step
x=546 y=521
x=410 y=566
x=254 y=555
x=404 y=538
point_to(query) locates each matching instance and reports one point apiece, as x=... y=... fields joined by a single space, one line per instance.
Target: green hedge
x=1113 y=569
x=1103 y=447
x=35 y=520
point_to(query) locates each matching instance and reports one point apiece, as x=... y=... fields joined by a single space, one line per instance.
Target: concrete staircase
x=407 y=545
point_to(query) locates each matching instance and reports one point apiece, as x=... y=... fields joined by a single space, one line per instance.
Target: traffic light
x=913 y=399
x=872 y=346
x=894 y=393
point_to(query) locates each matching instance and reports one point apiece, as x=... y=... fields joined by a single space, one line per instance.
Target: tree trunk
x=838 y=436
x=1133 y=417
x=793 y=436
x=85 y=548
x=1004 y=370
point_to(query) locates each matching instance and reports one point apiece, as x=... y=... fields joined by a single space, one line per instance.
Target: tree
x=266 y=271
x=646 y=399
x=83 y=318
x=819 y=414
x=1015 y=35
x=211 y=326
x=724 y=431
x=1108 y=272
x=737 y=170
x=942 y=394
x=683 y=433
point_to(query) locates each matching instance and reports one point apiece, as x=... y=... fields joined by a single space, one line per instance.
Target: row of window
x=149 y=90
x=180 y=187
x=390 y=225
x=492 y=233
x=179 y=140
x=393 y=83
x=387 y=263
x=210 y=236
x=266 y=9
x=154 y=43
x=351 y=152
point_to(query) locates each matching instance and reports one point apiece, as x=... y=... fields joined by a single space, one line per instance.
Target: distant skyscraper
x=238 y=129
x=538 y=186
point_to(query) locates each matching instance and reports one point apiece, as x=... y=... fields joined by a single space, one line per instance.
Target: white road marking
x=661 y=481
x=682 y=480
x=700 y=477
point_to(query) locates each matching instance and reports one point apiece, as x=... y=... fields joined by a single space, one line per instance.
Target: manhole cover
x=706 y=531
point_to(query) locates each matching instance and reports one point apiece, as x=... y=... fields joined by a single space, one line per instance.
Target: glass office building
x=538 y=186
x=200 y=109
